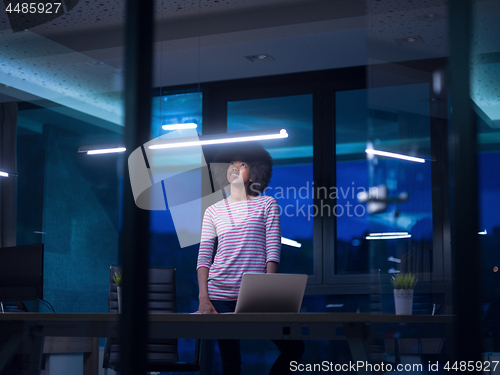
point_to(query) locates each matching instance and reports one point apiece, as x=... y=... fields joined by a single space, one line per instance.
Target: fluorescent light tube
x=106 y=151
x=393 y=155
x=483 y=233
x=395 y=260
x=228 y=139
x=4 y=174
x=289 y=242
x=388 y=236
x=188 y=125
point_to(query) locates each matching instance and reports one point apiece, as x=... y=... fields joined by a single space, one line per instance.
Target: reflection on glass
x=164 y=243
x=171 y=110
x=386 y=202
x=485 y=86
x=291 y=184
x=65 y=99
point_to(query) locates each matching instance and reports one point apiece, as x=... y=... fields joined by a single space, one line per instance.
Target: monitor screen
x=21 y=273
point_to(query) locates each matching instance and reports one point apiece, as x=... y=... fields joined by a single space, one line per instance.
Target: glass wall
x=165 y=249
x=69 y=96
x=386 y=218
x=382 y=145
x=292 y=181
x=485 y=86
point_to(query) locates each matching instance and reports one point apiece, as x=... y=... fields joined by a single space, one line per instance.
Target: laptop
x=271 y=292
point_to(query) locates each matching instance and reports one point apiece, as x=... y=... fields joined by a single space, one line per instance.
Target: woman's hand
x=206 y=307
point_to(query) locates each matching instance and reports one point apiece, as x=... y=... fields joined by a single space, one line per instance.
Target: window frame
x=323 y=85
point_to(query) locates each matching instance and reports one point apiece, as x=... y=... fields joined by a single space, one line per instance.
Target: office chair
x=376 y=347
x=162 y=353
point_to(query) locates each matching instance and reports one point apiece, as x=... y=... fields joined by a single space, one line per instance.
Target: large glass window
x=167 y=225
x=485 y=85
x=292 y=180
x=384 y=220
x=69 y=201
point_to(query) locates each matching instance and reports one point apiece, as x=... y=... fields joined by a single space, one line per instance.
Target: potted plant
x=117 y=278
x=403 y=284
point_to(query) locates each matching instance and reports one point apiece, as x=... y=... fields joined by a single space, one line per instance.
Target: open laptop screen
x=271 y=292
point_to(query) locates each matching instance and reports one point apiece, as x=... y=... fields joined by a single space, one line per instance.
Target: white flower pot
x=119 y=293
x=403 y=299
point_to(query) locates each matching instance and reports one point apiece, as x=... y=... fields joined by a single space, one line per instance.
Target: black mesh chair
x=162 y=353
x=376 y=347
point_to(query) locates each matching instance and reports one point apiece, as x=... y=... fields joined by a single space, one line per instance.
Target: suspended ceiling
x=76 y=60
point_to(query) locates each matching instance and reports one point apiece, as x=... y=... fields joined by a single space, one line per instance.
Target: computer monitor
x=21 y=273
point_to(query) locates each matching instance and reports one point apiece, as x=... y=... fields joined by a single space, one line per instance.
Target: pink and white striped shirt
x=249 y=235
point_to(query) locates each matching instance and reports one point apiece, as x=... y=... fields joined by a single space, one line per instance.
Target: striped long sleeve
x=249 y=235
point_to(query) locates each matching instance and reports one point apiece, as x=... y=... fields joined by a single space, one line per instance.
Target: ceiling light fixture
x=483 y=233
x=104 y=149
x=7 y=173
x=222 y=139
x=388 y=236
x=394 y=155
x=410 y=40
x=289 y=242
x=260 y=57
x=189 y=125
x=188 y=141
x=392 y=270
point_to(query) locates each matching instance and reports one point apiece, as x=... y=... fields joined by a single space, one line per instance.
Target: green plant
x=117 y=278
x=403 y=281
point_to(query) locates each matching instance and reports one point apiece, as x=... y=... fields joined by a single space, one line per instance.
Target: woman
x=247 y=225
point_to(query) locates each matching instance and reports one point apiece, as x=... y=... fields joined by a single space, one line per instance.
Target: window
x=397 y=121
x=292 y=179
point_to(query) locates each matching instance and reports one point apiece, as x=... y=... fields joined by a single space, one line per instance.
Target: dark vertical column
x=324 y=175
x=464 y=193
x=8 y=191
x=214 y=114
x=214 y=110
x=134 y=236
x=442 y=257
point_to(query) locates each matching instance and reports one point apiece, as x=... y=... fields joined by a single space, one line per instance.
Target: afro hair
x=261 y=165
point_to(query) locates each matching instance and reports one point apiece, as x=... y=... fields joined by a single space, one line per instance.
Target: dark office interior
x=345 y=78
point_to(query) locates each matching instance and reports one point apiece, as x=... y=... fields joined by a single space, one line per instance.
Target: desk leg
x=448 y=343
x=397 y=351
x=36 y=352
x=10 y=348
x=91 y=359
x=356 y=338
x=207 y=357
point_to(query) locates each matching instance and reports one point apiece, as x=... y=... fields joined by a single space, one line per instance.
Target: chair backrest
x=375 y=292
x=161 y=290
x=161 y=299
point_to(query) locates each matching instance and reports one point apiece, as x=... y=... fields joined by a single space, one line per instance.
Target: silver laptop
x=271 y=292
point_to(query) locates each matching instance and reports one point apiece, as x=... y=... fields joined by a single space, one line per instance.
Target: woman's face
x=238 y=171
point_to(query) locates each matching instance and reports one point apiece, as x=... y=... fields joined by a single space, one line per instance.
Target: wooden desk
x=305 y=326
